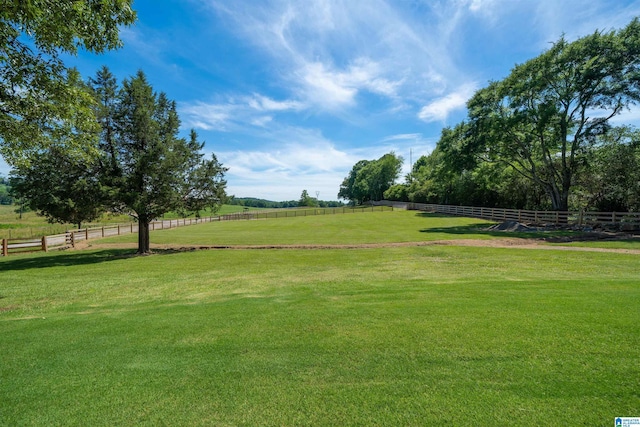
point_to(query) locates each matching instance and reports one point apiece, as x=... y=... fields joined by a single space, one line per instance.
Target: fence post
x=5 y=247
x=44 y=243
x=86 y=233
x=118 y=229
x=131 y=226
x=103 y=231
x=613 y=218
x=73 y=239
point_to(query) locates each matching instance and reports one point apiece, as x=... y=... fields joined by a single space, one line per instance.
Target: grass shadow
x=65 y=259
x=434 y=215
x=551 y=235
x=481 y=229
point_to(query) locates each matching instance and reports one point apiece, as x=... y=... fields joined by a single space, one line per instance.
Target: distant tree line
x=543 y=137
x=268 y=204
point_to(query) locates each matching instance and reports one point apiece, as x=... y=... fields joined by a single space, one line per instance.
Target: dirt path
x=492 y=243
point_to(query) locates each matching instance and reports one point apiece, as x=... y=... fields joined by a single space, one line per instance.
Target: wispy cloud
x=329 y=52
x=323 y=85
x=264 y=103
x=200 y=115
x=440 y=108
x=284 y=170
x=257 y=110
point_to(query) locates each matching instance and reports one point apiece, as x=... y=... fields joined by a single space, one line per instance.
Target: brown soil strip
x=493 y=243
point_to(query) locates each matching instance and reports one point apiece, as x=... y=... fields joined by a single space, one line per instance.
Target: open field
x=430 y=335
x=354 y=229
x=347 y=228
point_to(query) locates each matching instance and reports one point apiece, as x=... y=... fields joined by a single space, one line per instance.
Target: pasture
x=415 y=335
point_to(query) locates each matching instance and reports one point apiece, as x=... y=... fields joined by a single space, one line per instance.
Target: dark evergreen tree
x=152 y=170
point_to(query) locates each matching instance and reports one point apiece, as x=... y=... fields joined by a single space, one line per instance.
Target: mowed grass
x=363 y=227
x=347 y=228
x=387 y=336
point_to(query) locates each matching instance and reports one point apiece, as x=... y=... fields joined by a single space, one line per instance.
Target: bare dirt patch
x=492 y=243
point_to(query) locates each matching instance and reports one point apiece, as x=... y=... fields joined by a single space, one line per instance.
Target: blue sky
x=290 y=94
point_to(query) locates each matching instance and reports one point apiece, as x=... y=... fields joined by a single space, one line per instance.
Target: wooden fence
x=70 y=238
x=624 y=221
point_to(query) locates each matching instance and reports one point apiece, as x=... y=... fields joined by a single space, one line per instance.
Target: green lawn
x=428 y=335
x=630 y=243
x=347 y=228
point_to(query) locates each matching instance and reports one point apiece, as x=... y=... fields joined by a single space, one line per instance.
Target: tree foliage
x=307 y=200
x=150 y=169
x=613 y=181
x=61 y=188
x=545 y=118
x=542 y=138
x=369 y=179
x=41 y=100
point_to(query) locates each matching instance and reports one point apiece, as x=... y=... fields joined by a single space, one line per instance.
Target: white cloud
x=282 y=172
x=403 y=137
x=485 y=7
x=326 y=88
x=205 y=116
x=263 y=103
x=323 y=85
x=439 y=109
x=328 y=52
x=233 y=114
x=262 y=121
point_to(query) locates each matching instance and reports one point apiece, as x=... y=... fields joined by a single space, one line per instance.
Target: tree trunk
x=143 y=237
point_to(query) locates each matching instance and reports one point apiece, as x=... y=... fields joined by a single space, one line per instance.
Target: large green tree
x=149 y=168
x=41 y=100
x=348 y=189
x=369 y=179
x=545 y=118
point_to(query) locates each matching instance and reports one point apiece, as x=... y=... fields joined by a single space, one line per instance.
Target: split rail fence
x=71 y=237
x=623 y=221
